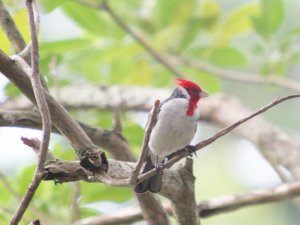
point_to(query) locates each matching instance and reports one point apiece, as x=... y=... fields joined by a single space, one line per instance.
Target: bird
x=174 y=129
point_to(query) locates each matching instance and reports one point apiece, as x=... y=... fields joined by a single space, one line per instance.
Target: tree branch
x=45 y=115
x=139 y=38
x=239 y=76
x=230 y=203
x=85 y=149
x=207 y=208
x=38 y=88
x=183 y=153
x=145 y=149
x=277 y=146
x=18 y=197
x=10 y=28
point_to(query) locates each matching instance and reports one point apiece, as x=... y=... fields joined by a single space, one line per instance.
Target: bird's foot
x=191 y=150
x=159 y=166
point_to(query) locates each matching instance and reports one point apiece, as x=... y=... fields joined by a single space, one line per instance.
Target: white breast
x=173 y=129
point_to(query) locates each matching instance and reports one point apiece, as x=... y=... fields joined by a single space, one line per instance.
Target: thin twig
x=139 y=38
x=239 y=76
x=38 y=87
x=10 y=28
x=145 y=149
x=45 y=115
x=183 y=153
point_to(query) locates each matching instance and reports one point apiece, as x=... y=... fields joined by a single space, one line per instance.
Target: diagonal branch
x=45 y=115
x=10 y=28
x=38 y=88
x=183 y=153
x=145 y=149
x=139 y=38
x=83 y=146
x=239 y=76
x=230 y=203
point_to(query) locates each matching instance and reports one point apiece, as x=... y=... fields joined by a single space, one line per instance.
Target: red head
x=194 y=91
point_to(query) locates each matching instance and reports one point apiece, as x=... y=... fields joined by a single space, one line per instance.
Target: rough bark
x=277 y=146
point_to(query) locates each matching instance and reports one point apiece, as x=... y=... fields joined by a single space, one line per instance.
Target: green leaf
x=173 y=12
x=24 y=178
x=88 y=212
x=270 y=18
x=133 y=133
x=238 y=21
x=227 y=57
x=89 y=19
x=11 y=90
x=21 y=21
x=49 y=6
x=61 y=47
x=190 y=32
x=210 y=12
x=91 y=192
x=208 y=82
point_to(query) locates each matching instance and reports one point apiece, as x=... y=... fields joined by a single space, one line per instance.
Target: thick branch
x=182 y=194
x=85 y=149
x=110 y=140
x=207 y=208
x=101 y=97
x=276 y=146
x=10 y=28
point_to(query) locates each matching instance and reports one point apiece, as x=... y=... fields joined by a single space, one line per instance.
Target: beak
x=203 y=94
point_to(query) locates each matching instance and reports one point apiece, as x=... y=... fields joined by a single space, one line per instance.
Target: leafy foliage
x=248 y=35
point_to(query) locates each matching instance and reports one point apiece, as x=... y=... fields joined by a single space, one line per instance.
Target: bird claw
x=159 y=167
x=191 y=150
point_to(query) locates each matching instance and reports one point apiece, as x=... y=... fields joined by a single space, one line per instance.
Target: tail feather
x=153 y=184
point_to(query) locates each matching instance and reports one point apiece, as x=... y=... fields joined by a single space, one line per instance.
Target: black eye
x=195 y=90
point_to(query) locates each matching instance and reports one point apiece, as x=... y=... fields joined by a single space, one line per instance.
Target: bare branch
x=183 y=153
x=100 y=97
x=277 y=146
x=11 y=29
x=45 y=115
x=229 y=203
x=38 y=88
x=85 y=149
x=182 y=194
x=145 y=149
x=239 y=76
x=207 y=208
x=139 y=38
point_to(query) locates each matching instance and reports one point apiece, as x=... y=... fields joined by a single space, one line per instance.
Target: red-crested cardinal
x=174 y=129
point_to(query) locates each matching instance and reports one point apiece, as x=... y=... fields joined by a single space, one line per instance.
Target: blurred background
x=83 y=45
